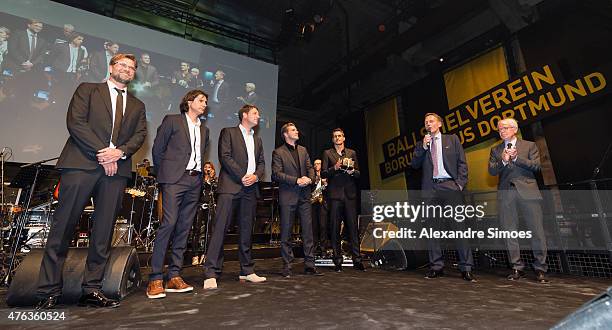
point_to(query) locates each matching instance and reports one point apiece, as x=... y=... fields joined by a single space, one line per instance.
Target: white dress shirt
x=442 y=174
x=249 y=140
x=195 y=158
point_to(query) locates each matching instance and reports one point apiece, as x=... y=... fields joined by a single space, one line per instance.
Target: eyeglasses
x=506 y=128
x=125 y=66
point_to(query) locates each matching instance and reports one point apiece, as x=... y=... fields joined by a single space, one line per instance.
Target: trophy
x=347 y=164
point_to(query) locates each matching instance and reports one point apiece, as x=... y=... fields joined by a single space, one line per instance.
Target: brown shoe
x=176 y=284
x=155 y=289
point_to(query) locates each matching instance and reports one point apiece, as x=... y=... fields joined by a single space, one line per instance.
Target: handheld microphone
x=429 y=134
x=509 y=145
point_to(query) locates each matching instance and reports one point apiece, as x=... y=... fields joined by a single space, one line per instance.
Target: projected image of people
x=42 y=64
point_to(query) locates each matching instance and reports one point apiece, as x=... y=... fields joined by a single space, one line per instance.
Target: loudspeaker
x=595 y=314
x=121 y=277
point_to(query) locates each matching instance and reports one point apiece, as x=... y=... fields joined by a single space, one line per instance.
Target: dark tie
x=118 y=116
x=434 y=156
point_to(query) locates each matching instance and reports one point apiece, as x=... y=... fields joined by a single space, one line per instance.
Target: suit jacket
x=340 y=185
x=285 y=172
x=98 y=66
x=250 y=99
x=520 y=173
x=222 y=93
x=235 y=161
x=90 y=123
x=148 y=73
x=453 y=158
x=61 y=55
x=172 y=148
x=19 y=50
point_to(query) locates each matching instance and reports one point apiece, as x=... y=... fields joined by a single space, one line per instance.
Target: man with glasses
x=107 y=126
x=516 y=161
x=341 y=169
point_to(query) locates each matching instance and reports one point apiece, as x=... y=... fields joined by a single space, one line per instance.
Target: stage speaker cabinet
x=391 y=253
x=595 y=314
x=122 y=276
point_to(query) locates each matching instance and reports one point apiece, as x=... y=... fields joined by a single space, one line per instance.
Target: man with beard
x=107 y=126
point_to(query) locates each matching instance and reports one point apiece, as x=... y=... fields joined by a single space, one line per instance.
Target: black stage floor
x=374 y=299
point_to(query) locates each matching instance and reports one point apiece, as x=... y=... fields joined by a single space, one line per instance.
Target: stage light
x=441 y=59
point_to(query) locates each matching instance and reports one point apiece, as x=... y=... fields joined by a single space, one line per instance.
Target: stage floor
x=352 y=299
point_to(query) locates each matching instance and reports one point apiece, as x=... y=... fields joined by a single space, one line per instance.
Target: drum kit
x=25 y=217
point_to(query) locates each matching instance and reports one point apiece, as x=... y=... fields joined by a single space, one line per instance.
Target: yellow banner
x=464 y=83
x=382 y=125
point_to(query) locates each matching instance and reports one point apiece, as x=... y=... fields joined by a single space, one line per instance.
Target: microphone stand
x=23 y=219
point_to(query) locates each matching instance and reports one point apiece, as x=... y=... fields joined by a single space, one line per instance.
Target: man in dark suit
x=68 y=57
x=251 y=96
x=342 y=192
x=147 y=74
x=516 y=162
x=291 y=168
x=98 y=68
x=242 y=166
x=27 y=48
x=445 y=175
x=178 y=151
x=106 y=128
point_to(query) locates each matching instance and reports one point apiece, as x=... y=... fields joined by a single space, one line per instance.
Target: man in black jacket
x=242 y=166
x=445 y=175
x=292 y=169
x=107 y=126
x=178 y=152
x=342 y=193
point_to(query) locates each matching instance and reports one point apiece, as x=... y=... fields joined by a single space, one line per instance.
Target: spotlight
x=441 y=59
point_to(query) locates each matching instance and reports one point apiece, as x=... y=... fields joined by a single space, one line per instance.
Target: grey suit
x=292 y=197
x=518 y=187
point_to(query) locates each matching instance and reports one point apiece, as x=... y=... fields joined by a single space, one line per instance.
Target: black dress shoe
x=541 y=277
x=47 y=303
x=286 y=273
x=516 y=275
x=359 y=266
x=312 y=271
x=434 y=273
x=97 y=299
x=338 y=268
x=468 y=276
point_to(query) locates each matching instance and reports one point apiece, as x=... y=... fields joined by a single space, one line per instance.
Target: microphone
x=429 y=134
x=509 y=145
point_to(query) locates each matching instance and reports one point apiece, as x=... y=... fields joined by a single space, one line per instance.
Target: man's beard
x=117 y=78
